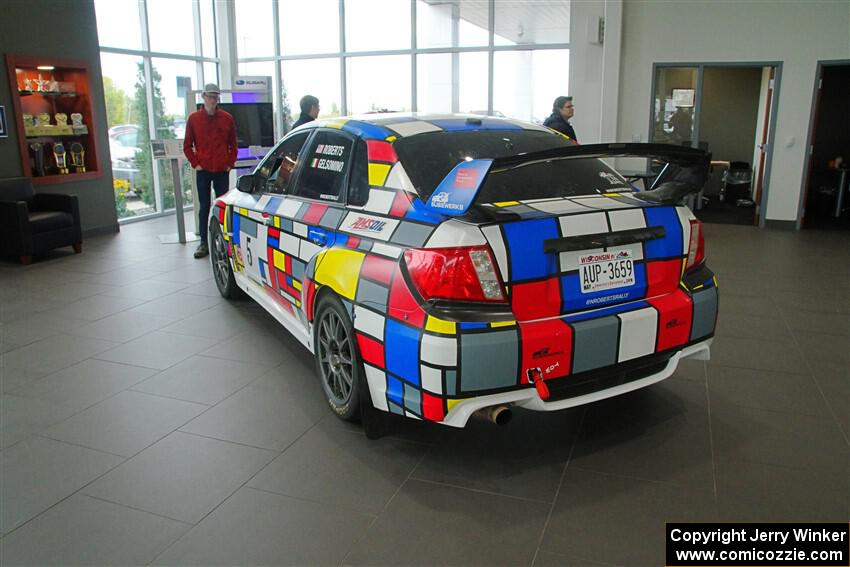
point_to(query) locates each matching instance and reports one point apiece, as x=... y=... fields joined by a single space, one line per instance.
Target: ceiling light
x=45 y=67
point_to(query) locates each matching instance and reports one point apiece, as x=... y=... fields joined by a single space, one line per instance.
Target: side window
x=276 y=171
x=358 y=183
x=328 y=160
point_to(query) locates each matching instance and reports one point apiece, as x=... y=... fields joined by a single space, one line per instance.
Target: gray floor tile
x=123 y=276
x=620 y=520
x=634 y=433
x=145 y=290
x=85 y=531
x=199 y=276
x=524 y=458
x=23 y=307
x=758 y=306
x=84 y=384
x=258 y=528
x=177 y=304
x=157 y=350
x=784 y=439
x=758 y=354
x=266 y=348
x=36 y=327
x=803 y=322
x=38 y=473
x=14 y=378
x=731 y=324
x=270 y=413
x=756 y=492
x=432 y=524
x=122 y=327
x=206 y=287
x=23 y=417
x=762 y=389
x=125 y=423
x=97 y=307
x=182 y=477
x=88 y=264
x=222 y=321
x=341 y=468
x=60 y=289
x=202 y=379
x=54 y=353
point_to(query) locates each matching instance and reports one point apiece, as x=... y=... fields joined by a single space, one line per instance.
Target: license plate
x=606 y=270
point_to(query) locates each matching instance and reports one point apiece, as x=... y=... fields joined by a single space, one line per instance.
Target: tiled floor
x=145 y=420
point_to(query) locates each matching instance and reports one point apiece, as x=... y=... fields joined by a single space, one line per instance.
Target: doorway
x=826 y=196
x=728 y=110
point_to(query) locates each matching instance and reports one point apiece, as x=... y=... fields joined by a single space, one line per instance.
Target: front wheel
x=222 y=269
x=337 y=358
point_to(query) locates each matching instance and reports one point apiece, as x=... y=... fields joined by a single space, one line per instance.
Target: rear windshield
x=428 y=158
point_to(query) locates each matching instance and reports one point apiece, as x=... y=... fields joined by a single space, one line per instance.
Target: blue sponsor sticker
x=457 y=191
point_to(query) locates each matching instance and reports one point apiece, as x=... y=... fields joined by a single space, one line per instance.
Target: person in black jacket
x=562 y=111
x=309 y=110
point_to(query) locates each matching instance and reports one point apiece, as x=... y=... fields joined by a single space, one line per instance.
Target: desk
x=839 y=199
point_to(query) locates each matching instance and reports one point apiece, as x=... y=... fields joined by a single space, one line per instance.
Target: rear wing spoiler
x=685 y=172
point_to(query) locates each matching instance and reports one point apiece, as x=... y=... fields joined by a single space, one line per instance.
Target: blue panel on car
x=401 y=349
x=525 y=246
x=671 y=245
x=370 y=131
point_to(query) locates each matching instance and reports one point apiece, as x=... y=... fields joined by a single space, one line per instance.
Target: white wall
x=595 y=69
x=796 y=33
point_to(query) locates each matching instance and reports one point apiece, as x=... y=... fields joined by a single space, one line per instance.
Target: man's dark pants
x=219 y=182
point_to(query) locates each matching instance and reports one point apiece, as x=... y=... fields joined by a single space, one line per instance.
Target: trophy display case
x=53 y=113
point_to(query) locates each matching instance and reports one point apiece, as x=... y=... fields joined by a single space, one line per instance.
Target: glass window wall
x=320 y=36
x=377 y=25
x=146 y=95
x=378 y=84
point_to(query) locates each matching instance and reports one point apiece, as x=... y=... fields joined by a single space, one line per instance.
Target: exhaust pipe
x=500 y=415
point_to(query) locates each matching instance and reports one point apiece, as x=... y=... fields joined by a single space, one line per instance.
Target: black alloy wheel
x=337 y=358
x=221 y=267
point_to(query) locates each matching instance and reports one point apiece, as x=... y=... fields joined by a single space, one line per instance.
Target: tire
x=338 y=359
x=221 y=266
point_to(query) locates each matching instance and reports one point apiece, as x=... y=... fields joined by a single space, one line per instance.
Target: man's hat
x=211 y=88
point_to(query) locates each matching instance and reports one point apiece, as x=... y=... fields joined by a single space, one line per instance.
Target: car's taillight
x=466 y=273
x=696 y=247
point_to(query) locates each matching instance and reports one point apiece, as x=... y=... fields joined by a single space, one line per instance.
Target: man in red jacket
x=210 y=146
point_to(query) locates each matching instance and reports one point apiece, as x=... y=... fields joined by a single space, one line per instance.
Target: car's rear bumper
x=529 y=398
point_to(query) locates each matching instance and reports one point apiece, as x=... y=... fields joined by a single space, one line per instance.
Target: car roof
x=395 y=125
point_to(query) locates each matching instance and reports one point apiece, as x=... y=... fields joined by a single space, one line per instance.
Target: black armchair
x=33 y=223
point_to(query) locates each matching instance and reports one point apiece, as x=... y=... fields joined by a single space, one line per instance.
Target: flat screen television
x=254 y=122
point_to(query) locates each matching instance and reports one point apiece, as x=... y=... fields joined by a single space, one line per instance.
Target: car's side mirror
x=246 y=183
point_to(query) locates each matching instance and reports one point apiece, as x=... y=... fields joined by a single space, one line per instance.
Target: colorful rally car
x=443 y=266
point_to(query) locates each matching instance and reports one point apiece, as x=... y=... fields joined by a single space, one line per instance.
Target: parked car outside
x=440 y=267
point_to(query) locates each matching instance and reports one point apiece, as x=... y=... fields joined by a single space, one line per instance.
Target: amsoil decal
x=372 y=227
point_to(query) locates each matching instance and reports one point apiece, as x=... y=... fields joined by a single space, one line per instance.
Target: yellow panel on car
x=340 y=269
x=279 y=260
x=378 y=173
x=497 y=324
x=506 y=203
x=450 y=404
x=440 y=326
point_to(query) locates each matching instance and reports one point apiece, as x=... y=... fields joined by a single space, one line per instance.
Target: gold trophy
x=62 y=124
x=29 y=129
x=43 y=127
x=77 y=124
x=61 y=157
x=78 y=157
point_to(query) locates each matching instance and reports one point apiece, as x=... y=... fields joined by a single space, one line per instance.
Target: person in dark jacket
x=309 y=110
x=210 y=146
x=562 y=111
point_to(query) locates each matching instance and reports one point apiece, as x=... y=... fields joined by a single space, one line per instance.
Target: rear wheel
x=222 y=269
x=337 y=358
